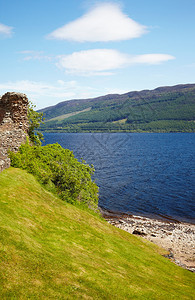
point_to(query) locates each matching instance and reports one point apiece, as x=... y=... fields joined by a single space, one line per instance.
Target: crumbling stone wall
x=13 y=125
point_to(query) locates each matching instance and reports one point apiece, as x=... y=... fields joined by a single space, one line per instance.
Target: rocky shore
x=175 y=237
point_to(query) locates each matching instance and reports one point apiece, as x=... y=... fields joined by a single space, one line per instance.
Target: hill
x=165 y=109
x=50 y=249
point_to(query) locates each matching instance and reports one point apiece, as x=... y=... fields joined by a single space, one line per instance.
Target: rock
x=170 y=255
x=176 y=238
x=13 y=125
x=137 y=232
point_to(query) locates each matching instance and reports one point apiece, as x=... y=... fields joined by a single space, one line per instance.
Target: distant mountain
x=164 y=109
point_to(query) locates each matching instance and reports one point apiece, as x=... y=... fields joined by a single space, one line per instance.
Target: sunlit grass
x=52 y=250
x=65 y=116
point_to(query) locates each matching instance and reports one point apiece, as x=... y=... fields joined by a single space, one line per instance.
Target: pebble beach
x=176 y=237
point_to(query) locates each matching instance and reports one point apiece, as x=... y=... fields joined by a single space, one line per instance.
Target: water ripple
x=139 y=173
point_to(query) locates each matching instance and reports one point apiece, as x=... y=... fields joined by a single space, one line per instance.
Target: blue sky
x=56 y=50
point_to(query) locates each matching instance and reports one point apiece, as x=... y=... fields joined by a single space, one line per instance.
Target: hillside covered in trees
x=165 y=109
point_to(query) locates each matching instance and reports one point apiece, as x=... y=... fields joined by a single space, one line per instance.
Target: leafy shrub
x=59 y=171
x=35 y=119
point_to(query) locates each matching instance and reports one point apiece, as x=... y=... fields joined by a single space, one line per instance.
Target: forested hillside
x=165 y=109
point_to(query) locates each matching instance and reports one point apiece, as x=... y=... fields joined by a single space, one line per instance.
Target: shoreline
x=178 y=238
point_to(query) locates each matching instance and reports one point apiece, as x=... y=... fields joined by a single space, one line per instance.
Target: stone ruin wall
x=13 y=125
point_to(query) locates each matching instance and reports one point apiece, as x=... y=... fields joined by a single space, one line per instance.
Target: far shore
x=176 y=237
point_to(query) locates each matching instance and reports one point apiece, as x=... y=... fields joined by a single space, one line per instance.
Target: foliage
x=35 y=120
x=59 y=171
x=153 y=126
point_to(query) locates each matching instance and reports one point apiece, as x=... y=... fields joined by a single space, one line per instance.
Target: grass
x=123 y=121
x=65 y=116
x=52 y=250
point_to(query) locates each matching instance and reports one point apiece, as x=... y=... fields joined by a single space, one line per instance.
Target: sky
x=58 y=50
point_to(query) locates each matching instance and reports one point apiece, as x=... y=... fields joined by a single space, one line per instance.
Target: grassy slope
x=52 y=250
x=65 y=116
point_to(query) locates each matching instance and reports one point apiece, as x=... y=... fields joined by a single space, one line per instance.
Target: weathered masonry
x=13 y=125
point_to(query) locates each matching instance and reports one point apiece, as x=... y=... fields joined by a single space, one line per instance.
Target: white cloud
x=96 y=61
x=45 y=94
x=35 y=55
x=5 y=30
x=151 y=59
x=105 y=61
x=40 y=88
x=105 y=22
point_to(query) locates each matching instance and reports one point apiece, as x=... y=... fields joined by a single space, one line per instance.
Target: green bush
x=59 y=171
x=35 y=119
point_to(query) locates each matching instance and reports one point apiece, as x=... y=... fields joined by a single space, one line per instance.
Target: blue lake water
x=148 y=174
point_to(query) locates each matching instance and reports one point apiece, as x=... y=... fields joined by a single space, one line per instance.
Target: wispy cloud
x=150 y=59
x=6 y=30
x=40 y=88
x=105 y=61
x=34 y=55
x=45 y=94
x=103 y=23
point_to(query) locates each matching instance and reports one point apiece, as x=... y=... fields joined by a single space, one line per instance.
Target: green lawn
x=52 y=250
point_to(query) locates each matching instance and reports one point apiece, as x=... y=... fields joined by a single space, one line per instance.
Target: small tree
x=35 y=120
